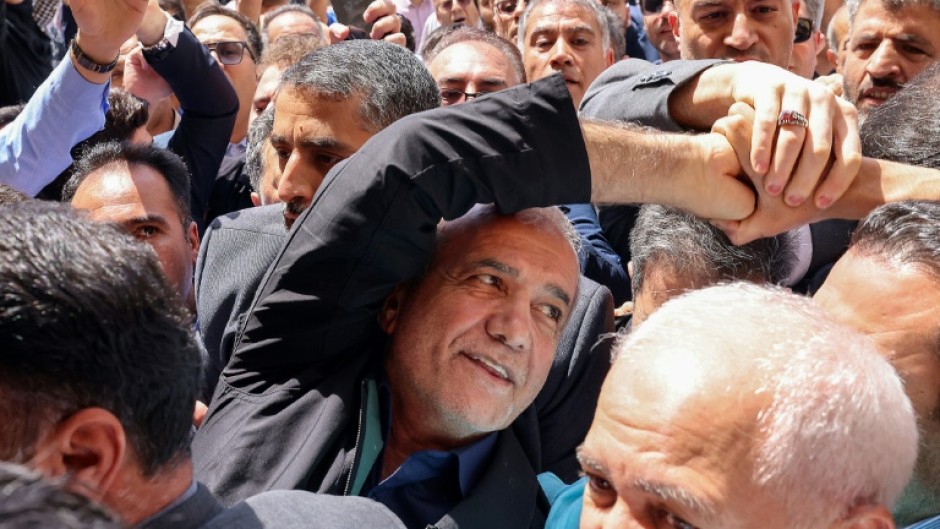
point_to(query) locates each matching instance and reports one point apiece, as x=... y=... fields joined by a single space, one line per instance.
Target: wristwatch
x=85 y=62
x=167 y=44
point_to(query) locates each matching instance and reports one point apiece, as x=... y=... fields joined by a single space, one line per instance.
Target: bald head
x=729 y=418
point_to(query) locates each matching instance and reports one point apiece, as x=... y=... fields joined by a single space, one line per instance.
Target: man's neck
x=135 y=498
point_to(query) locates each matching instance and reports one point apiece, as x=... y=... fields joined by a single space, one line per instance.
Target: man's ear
x=866 y=517
x=391 y=309
x=88 y=447
x=673 y=18
x=630 y=269
x=795 y=5
x=255 y=199
x=609 y=56
x=193 y=233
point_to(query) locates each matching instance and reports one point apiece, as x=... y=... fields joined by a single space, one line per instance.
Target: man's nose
x=560 y=55
x=297 y=182
x=742 y=35
x=510 y=323
x=884 y=62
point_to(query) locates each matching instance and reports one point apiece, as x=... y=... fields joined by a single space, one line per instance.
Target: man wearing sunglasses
x=656 y=20
x=809 y=40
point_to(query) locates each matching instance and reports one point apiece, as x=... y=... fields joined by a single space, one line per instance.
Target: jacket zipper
x=359 y=433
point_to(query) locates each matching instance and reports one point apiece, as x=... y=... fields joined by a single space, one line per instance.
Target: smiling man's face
x=473 y=339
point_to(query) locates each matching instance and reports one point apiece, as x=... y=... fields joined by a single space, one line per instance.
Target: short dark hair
x=258 y=134
x=251 y=31
x=29 y=501
x=126 y=113
x=168 y=164
x=689 y=245
x=288 y=50
x=9 y=113
x=904 y=128
x=902 y=232
x=468 y=34
x=8 y=195
x=391 y=82
x=87 y=319
x=289 y=8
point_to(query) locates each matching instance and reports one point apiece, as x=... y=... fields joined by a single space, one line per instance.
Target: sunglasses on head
x=804 y=30
x=230 y=52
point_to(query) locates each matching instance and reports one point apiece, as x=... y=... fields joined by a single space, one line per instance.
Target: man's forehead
x=571 y=16
x=464 y=58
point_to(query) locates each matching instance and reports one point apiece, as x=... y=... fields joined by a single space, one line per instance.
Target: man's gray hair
x=903 y=233
x=687 y=245
x=258 y=134
x=390 y=81
x=598 y=11
x=470 y=35
x=814 y=10
x=289 y=8
x=890 y=5
x=836 y=429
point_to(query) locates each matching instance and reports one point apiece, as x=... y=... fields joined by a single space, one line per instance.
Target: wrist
x=96 y=51
x=152 y=29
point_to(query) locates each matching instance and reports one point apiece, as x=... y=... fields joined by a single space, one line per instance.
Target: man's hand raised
x=103 y=26
x=385 y=24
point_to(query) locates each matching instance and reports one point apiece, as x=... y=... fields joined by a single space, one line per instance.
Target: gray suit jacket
x=235 y=252
x=277 y=509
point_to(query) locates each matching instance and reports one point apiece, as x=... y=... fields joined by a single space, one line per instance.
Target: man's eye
x=677 y=523
x=282 y=154
x=912 y=50
x=145 y=232
x=328 y=159
x=712 y=17
x=763 y=10
x=488 y=279
x=553 y=312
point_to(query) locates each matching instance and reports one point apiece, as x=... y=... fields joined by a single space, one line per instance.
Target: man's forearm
x=694 y=173
x=880 y=182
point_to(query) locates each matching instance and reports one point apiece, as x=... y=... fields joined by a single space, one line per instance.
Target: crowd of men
x=470 y=264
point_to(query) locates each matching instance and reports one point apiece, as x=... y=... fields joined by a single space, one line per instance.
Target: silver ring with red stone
x=792 y=117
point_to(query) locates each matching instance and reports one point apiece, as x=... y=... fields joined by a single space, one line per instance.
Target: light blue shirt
x=65 y=110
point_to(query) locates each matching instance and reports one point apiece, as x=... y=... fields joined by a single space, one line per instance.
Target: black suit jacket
x=284 y=412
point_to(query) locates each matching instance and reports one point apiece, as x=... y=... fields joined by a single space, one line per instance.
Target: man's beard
x=295 y=207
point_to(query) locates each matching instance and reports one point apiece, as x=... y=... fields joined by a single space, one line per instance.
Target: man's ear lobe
x=673 y=18
x=391 y=309
x=88 y=447
x=866 y=517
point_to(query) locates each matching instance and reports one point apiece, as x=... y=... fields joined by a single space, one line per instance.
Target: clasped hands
x=796 y=172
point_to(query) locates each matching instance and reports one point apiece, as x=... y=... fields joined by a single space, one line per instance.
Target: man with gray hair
x=890 y=42
x=809 y=39
x=675 y=252
x=328 y=105
x=567 y=36
x=736 y=423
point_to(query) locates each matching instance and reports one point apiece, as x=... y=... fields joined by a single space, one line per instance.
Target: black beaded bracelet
x=89 y=64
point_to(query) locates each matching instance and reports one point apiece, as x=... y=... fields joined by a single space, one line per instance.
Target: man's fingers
x=790 y=140
x=377 y=10
x=338 y=32
x=848 y=156
x=385 y=26
x=766 y=110
x=396 y=38
x=817 y=149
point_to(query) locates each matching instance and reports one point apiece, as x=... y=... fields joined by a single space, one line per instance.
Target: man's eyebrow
x=326 y=142
x=499 y=266
x=492 y=81
x=671 y=493
x=503 y=268
x=913 y=38
x=580 y=28
x=278 y=139
x=701 y=4
x=589 y=462
x=145 y=219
